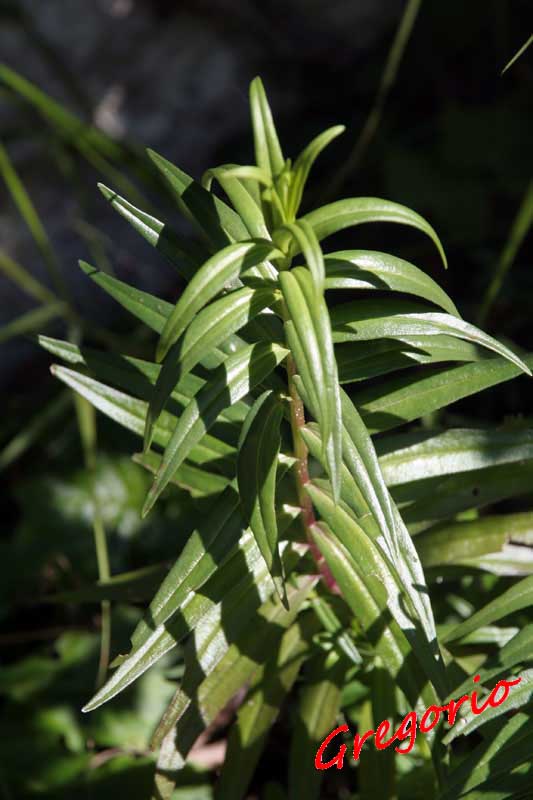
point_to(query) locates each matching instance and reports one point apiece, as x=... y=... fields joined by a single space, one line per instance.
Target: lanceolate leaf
x=375 y=319
x=241 y=573
x=186 y=256
x=216 y=220
x=210 y=279
x=423 y=455
x=242 y=200
x=519 y=695
x=491 y=760
x=358 y=361
x=267 y=149
x=518 y=650
x=443 y=497
x=407 y=397
x=519 y=596
x=463 y=543
x=309 y=337
x=151 y=310
x=211 y=326
x=382 y=581
x=130 y=413
x=367 y=269
x=305 y=161
x=361 y=460
x=256 y=475
x=198 y=482
x=134 y=375
x=229 y=383
x=344 y=213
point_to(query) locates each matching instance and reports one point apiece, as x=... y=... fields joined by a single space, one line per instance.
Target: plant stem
x=302 y=476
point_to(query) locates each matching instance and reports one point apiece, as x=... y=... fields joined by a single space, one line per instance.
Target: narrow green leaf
x=218 y=666
x=519 y=596
x=444 y=497
x=241 y=198
x=135 y=376
x=344 y=213
x=229 y=383
x=361 y=460
x=30 y=216
x=304 y=162
x=309 y=337
x=464 y=543
x=519 y=696
x=213 y=218
x=198 y=482
x=381 y=580
x=151 y=310
x=216 y=534
x=256 y=474
x=130 y=412
x=209 y=280
x=491 y=760
x=183 y=255
x=384 y=634
x=375 y=319
x=359 y=361
x=407 y=397
x=367 y=269
x=518 y=650
x=422 y=454
x=47 y=415
x=517 y=55
x=25 y=280
x=267 y=148
x=125 y=587
x=229 y=584
x=210 y=329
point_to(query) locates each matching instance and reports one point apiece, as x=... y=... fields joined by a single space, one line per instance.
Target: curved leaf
x=368 y=269
x=305 y=161
x=358 y=361
x=357 y=210
x=375 y=319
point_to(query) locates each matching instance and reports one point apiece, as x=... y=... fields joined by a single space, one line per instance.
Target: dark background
x=454 y=143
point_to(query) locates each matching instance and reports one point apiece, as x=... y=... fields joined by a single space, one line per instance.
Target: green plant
x=302 y=575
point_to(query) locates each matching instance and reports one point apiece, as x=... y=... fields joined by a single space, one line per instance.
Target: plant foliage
x=305 y=573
